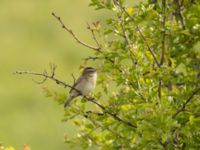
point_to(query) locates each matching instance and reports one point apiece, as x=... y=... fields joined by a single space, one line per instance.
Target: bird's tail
x=68 y=101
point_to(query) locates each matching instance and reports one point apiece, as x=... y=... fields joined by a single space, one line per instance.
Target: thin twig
x=182 y=108
x=74 y=79
x=52 y=68
x=90 y=99
x=74 y=36
x=42 y=81
x=93 y=34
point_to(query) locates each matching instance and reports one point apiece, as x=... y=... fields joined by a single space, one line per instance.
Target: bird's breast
x=88 y=84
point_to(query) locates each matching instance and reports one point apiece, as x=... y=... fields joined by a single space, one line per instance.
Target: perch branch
x=90 y=99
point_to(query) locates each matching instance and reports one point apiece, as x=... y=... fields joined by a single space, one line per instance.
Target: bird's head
x=89 y=71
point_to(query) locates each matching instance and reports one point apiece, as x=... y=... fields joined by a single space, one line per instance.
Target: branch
x=93 y=34
x=143 y=37
x=98 y=49
x=79 y=41
x=74 y=79
x=159 y=88
x=74 y=36
x=90 y=99
x=163 y=44
x=179 y=14
x=182 y=108
x=91 y=58
x=99 y=125
x=125 y=36
x=163 y=31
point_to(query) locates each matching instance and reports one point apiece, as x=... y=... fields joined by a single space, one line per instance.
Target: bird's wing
x=77 y=81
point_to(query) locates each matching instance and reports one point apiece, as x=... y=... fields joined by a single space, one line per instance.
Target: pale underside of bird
x=83 y=85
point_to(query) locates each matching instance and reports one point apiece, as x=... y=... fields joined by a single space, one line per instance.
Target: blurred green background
x=30 y=38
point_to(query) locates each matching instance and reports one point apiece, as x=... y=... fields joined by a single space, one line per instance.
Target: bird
x=83 y=85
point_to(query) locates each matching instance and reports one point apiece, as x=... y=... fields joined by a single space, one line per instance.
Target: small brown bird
x=85 y=84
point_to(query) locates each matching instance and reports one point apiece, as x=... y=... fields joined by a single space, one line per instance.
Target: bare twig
x=90 y=99
x=42 y=81
x=74 y=36
x=182 y=108
x=93 y=35
x=52 y=68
